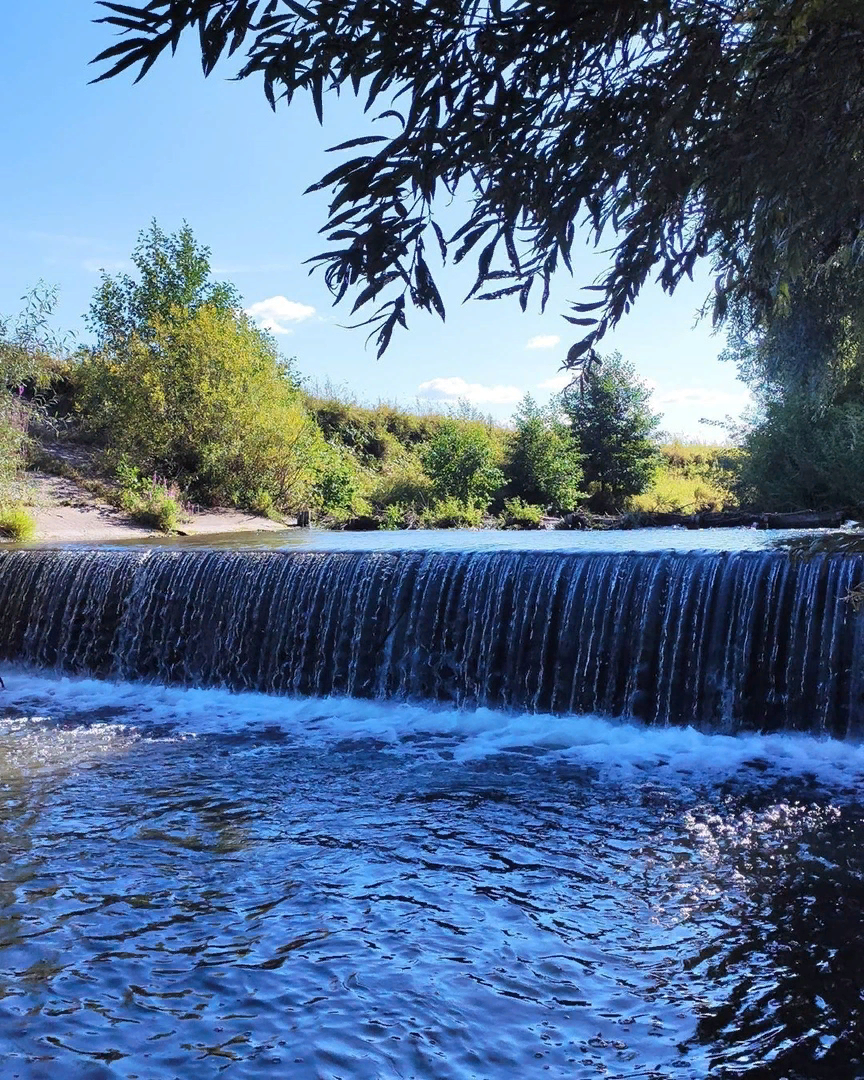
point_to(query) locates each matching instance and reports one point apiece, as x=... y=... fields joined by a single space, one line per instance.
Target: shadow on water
x=787 y=975
x=819 y=542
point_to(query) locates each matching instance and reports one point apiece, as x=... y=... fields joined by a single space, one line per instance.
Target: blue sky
x=85 y=168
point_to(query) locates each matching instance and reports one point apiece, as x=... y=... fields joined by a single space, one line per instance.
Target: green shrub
x=261 y=502
x=692 y=477
x=205 y=402
x=518 y=514
x=461 y=463
x=404 y=483
x=13 y=441
x=378 y=434
x=146 y=500
x=451 y=513
x=338 y=487
x=16 y=524
x=157 y=510
x=182 y=384
x=393 y=516
x=543 y=464
x=805 y=456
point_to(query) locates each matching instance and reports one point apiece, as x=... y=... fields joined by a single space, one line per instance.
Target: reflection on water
x=203 y=884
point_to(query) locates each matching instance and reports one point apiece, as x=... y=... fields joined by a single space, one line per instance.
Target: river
x=199 y=883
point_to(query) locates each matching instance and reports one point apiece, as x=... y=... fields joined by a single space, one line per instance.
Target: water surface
x=672 y=538
x=197 y=883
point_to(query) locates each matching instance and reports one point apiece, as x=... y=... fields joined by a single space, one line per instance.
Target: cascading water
x=352 y=875
x=729 y=641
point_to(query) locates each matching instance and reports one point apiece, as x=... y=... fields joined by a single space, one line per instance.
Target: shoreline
x=65 y=513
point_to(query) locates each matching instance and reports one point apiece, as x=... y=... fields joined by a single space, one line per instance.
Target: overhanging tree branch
x=675 y=129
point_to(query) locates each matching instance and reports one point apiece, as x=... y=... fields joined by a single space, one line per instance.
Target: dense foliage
x=543 y=465
x=32 y=358
x=172 y=282
x=181 y=386
x=805 y=367
x=184 y=400
x=692 y=477
x=204 y=402
x=688 y=129
x=805 y=455
x=460 y=461
x=616 y=431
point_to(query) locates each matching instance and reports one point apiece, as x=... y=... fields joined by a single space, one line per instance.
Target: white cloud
x=272 y=314
x=543 y=341
x=701 y=396
x=557 y=382
x=455 y=388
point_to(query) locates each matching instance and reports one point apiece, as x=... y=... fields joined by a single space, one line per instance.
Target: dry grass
x=690 y=478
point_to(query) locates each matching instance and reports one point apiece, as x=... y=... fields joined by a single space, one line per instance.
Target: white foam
x=618 y=747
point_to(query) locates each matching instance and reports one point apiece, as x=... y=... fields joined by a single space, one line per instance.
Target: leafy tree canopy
x=813 y=346
x=616 y=430
x=460 y=461
x=543 y=463
x=173 y=281
x=31 y=351
x=204 y=402
x=676 y=129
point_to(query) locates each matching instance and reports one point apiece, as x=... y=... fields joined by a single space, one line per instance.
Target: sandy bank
x=65 y=513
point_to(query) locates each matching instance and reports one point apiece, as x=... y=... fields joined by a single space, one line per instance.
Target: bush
x=338 y=487
x=147 y=501
x=692 y=477
x=805 y=456
x=518 y=514
x=155 y=509
x=397 y=516
x=451 y=513
x=405 y=484
x=31 y=359
x=543 y=463
x=13 y=441
x=206 y=403
x=17 y=524
x=460 y=462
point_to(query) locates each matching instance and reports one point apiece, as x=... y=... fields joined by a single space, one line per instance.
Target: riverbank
x=66 y=512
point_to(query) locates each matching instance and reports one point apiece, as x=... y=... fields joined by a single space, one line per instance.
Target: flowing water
x=198 y=882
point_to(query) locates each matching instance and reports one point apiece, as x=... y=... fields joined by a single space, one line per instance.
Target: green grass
x=691 y=477
x=155 y=509
x=519 y=514
x=16 y=524
x=451 y=513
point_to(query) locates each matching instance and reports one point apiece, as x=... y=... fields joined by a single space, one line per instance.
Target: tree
x=805 y=455
x=205 y=403
x=33 y=360
x=812 y=347
x=805 y=367
x=460 y=461
x=610 y=417
x=173 y=283
x=730 y=130
x=543 y=464
x=182 y=384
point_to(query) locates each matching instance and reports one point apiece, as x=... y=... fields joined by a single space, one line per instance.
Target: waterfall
x=723 y=641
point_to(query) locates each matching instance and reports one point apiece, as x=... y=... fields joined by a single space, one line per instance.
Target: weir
x=723 y=641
